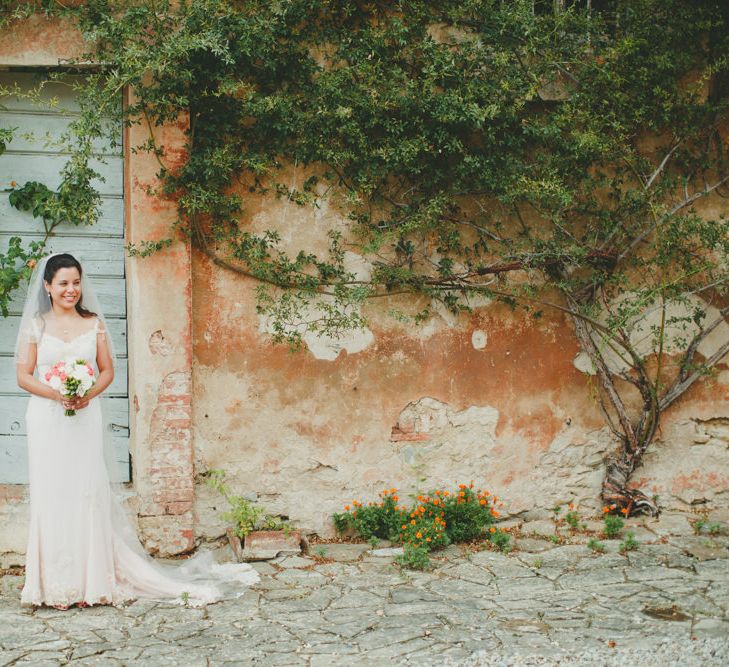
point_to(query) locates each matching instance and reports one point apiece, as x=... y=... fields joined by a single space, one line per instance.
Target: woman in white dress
x=82 y=545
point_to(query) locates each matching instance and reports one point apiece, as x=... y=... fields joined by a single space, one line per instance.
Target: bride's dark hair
x=65 y=261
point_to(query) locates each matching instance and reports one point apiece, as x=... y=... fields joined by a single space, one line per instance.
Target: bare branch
x=682 y=204
x=661 y=166
x=606 y=381
x=679 y=388
x=697 y=195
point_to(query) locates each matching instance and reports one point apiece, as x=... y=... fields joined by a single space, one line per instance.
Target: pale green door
x=99 y=246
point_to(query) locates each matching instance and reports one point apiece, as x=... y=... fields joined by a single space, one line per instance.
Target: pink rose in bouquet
x=72 y=377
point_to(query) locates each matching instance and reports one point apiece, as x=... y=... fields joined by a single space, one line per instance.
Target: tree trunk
x=634 y=440
x=615 y=489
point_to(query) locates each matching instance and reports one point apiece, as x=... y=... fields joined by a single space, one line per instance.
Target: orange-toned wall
x=491 y=397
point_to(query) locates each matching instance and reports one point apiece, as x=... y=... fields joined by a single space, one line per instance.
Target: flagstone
x=368 y=610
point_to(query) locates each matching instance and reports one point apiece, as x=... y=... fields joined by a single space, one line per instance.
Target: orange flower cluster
x=609 y=508
x=428 y=521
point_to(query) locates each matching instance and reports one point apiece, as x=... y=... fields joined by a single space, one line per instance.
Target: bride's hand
x=80 y=402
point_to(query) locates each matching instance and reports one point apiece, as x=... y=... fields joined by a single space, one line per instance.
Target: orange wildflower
x=418 y=534
x=624 y=511
x=412 y=523
x=482 y=502
x=605 y=509
x=492 y=530
x=346 y=507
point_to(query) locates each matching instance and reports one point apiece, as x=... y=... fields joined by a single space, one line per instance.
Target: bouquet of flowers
x=72 y=377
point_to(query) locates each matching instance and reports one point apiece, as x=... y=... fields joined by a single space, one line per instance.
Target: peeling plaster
x=443 y=441
x=158 y=344
x=479 y=339
x=641 y=328
x=322 y=346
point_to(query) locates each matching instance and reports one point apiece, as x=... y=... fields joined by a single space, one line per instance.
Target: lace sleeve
x=100 y=329
x=28 y=334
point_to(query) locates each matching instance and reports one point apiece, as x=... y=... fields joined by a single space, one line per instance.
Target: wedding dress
x=81 y=544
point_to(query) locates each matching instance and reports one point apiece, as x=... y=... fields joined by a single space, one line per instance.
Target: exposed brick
x=397 y=436
x=179 y=507
x=176 y=387
x=168 y=534
x=169 y=496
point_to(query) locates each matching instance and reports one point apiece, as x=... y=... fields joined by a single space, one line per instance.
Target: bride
x=82 y=546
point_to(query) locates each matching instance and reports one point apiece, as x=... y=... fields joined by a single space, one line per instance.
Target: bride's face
x=65 y=288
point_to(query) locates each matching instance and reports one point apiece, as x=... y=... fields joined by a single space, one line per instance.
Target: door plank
x=14 y=459
x=19 y=223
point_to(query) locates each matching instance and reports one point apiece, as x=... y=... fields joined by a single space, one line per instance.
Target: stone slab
x=265 y=545
x=343 y=552
x=388 y=552
x=373 y=612
x=532 y=545
x=542 y=528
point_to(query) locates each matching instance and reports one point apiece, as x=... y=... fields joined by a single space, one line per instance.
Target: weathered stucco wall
x=495 y=397
x=490 y=397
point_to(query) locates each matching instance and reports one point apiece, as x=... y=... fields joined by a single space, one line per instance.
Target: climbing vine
x=75 y=201
x=572 y=160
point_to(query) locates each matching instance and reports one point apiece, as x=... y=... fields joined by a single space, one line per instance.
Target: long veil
x=196 y=581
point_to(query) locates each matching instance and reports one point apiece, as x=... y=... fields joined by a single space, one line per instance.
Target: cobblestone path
x=360 y=608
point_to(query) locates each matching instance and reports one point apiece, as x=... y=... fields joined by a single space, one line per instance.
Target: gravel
x=675 y=652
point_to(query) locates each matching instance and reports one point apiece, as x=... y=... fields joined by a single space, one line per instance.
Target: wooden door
x=99 y=246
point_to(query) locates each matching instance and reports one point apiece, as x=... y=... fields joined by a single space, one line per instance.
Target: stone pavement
x=355 y=607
